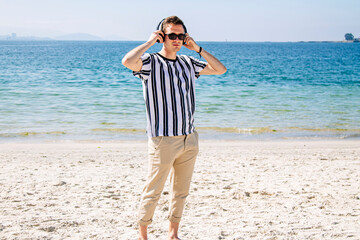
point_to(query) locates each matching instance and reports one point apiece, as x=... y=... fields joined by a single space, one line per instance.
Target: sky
x=206 y=20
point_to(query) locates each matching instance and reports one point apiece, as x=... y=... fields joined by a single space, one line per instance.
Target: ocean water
x=59 y=90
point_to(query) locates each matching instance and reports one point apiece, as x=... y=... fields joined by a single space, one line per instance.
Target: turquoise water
x=80 y=90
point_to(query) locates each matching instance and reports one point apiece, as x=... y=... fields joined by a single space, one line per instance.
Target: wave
x=237 y=130
x=334 y=130
x=119 y=130
x=27 y=134
x=284 y=133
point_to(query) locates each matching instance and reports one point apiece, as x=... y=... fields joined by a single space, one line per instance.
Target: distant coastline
x=343 y=41
x=90 y=37
x=30 y=39
x=66 y=37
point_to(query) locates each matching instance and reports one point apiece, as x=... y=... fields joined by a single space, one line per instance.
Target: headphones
x=160 y=27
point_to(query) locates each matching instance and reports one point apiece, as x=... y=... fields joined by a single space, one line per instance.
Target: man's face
x=176 y=44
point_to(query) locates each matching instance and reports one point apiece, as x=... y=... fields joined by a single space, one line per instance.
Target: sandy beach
x=240 y=190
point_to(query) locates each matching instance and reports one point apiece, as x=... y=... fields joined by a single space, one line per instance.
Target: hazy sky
x=206 y=20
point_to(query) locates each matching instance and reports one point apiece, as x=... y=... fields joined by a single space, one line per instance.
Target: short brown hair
x=172 y=20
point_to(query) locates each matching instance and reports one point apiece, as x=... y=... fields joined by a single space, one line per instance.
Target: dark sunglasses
x=173 y=36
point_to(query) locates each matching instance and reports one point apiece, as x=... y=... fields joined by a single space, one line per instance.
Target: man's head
x=174 y=30
x=172 y=20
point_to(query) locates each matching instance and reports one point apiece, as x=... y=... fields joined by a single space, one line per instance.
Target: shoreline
x=202 y=137
x=206 y=133
x=205 y=140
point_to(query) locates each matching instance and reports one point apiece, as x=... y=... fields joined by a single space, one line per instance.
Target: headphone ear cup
x=163 y=37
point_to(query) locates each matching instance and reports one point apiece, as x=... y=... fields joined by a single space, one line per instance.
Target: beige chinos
x=168 y=153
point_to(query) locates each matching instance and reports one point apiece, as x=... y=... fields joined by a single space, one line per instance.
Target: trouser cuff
x=145 y=223
x=174 y=219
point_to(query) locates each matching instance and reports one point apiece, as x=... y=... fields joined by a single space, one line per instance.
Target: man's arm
x=132 y=59
x=214 y=66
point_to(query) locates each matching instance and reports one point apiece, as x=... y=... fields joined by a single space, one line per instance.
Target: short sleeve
x=198 y=66
x=144 y=73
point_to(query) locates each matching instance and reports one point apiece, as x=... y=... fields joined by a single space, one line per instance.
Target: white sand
x=240 y=190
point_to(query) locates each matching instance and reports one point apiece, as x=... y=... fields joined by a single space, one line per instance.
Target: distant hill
x=26 y=38
x=78 y=37
x=66 y=37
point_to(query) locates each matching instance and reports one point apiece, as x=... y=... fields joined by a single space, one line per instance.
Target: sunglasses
x=173 y=36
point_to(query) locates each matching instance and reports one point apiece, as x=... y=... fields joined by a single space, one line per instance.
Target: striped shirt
x=169 y=93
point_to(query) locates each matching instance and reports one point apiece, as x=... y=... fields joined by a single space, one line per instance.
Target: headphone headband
x=159 y=27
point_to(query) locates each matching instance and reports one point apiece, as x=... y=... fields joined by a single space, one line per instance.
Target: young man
x=169 y=92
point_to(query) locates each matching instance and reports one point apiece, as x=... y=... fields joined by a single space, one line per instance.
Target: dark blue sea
x=79 y=90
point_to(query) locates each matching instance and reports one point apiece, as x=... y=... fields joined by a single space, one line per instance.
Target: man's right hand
x=157 y=35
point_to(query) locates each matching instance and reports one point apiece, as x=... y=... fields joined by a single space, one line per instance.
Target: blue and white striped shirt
x=169 y=93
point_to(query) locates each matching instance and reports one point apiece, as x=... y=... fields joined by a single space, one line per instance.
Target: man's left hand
x=191 y=44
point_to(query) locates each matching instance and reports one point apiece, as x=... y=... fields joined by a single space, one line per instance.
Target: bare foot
x=174 y=238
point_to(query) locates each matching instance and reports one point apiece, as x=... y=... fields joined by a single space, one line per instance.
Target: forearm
x=213 y=62
x=132 y=59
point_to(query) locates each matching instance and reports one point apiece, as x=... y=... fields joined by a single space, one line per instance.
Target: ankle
x=142 y=232
x=173 y=231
